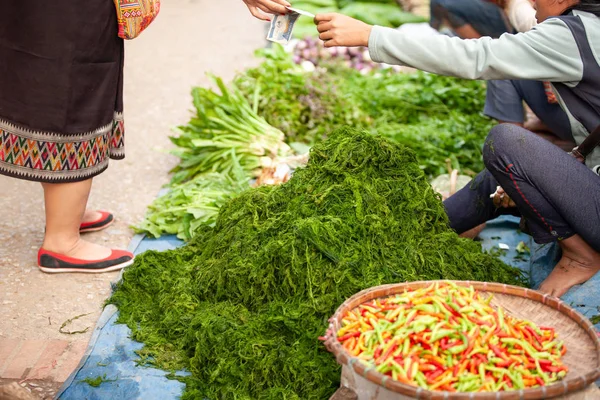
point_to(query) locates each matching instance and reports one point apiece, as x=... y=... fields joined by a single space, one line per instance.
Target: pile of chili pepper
x=449 y=338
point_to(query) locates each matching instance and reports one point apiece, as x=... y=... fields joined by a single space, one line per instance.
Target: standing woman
x=61 y=116
x=557 y=195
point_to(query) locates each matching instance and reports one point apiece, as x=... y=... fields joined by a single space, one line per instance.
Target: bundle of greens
x=225 y=127
x=242 y=305
x=185 y=207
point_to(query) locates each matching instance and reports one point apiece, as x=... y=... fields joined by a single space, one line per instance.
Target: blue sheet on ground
x=111 y=353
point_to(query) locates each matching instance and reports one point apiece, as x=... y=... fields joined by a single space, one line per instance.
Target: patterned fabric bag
x=135 y=15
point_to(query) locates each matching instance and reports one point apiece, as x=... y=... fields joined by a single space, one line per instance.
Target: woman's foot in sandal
x=578 y=264
x=94 y=221
x=83 y=257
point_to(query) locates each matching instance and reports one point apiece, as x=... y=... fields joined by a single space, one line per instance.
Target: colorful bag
x=135 y=15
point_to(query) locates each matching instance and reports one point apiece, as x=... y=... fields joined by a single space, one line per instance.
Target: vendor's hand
x=501 y=199
x=340 y=30
x=258 y=8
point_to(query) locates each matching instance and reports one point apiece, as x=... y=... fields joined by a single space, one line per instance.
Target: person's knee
x=501 y=140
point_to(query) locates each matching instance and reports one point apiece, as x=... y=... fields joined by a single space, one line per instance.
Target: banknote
x=282 y=27
x=301 y=12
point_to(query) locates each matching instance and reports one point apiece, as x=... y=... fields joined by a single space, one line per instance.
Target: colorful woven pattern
x=50 y=157
x=135 y=15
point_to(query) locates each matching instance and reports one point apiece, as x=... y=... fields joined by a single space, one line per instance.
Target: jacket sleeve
x=548 y=52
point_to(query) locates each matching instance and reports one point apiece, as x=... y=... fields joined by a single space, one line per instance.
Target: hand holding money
x=283 y=25
x=340 y=30
x=259 y=8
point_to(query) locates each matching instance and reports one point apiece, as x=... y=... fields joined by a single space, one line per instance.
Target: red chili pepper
x=377 y=353
x=452 y=310
x=498 y=352
x=389 y=352
x=348 y=336
x=444 y=343
x=534 y=334
x=540 y=381
x=478 y=321
x=431 y=379
x=505 y=364
x=501 y=334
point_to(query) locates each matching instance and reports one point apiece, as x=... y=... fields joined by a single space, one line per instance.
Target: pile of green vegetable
x=242 y=305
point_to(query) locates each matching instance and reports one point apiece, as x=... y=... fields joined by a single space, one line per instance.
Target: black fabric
x=61 y=64
x=590 y=143
x=557 y=195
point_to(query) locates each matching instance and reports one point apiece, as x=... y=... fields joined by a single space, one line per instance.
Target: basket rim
x=559 y=388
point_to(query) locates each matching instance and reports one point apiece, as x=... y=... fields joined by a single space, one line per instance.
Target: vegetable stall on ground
x=242 y=305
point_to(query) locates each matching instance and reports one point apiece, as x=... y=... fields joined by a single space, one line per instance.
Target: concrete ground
x=189 y=38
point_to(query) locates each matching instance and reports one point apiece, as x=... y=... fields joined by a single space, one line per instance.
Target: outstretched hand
x=260 y=8
x=341 y=30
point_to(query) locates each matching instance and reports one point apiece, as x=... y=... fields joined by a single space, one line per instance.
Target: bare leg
x=578 y=264
x=65 y=207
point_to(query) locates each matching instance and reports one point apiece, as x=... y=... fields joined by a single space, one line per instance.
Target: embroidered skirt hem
x=55 y=158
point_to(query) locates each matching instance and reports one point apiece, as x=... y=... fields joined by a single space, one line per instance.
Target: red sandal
x=105 y=220
x=54 y=263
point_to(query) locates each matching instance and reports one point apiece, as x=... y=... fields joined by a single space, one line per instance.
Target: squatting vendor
x=557 y=196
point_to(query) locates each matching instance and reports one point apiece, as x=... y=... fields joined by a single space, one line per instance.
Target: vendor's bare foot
x=91 y=216
x=81 y=250
x=578 y=264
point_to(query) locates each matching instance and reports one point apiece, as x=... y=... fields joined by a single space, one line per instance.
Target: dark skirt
x=61 y=89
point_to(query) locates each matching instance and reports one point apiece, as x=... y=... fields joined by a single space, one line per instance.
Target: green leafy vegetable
x=242 y=305
x=187 y=206
x=225 y=127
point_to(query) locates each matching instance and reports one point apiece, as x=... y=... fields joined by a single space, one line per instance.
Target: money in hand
x=282 y=27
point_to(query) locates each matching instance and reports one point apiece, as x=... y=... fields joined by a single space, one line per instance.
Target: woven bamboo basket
x=578 y=333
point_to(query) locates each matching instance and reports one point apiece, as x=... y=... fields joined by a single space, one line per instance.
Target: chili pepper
x=348 y=336
x=556 y=369
x=432 y=378
x=540 y=381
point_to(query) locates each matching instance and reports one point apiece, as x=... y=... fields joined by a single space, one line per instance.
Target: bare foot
x=90 y=216
x=578 y=264
x=81 y=250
